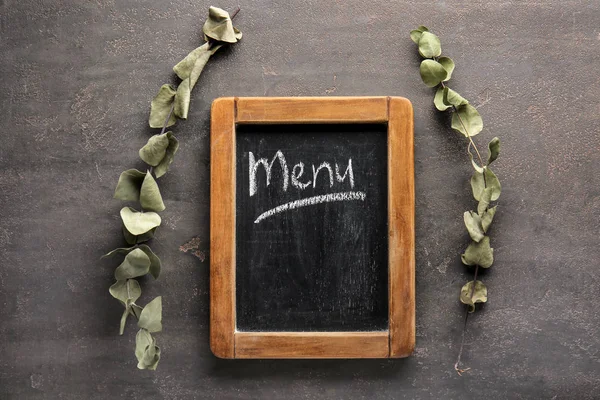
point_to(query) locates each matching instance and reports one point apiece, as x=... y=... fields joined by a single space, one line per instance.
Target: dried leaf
x=493 y=150
x=126 y=289
x=467 y=119
x=484 y=200
x=161 y=107
x=448 y=65
x=432 y=72
x=438 y=100
x=154 y=151
x=487 y=218
x=429 y=45
x=452 y=97
x=155 y=264
x=479 y=295
x=151 y=316
x=182 y=99
x=479 y=253
x=146 y=350
x=473 y=224
x=138 y=223
x=219 y=26
x=163 y=166
x=136 y=263
x=478 y=184
x=415 y=34
x=150 y=197
x=128 y=187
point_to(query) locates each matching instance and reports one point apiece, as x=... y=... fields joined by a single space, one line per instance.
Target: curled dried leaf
x=470 y=296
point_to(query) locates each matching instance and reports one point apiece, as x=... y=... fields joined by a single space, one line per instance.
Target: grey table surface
x=76 y=81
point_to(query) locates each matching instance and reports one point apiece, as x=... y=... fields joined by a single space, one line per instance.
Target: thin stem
x=462 y=340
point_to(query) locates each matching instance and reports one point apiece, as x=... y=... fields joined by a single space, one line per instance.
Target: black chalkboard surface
x=311 y=253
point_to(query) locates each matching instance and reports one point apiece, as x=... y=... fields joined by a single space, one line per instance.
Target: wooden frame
x=399 y=339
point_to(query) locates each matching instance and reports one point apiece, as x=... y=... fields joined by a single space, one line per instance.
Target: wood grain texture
x=311 y=345
x=222 y=228
x=311 y=109
x=401 y=203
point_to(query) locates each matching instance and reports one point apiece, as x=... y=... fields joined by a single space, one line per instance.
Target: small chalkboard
x=312 y=228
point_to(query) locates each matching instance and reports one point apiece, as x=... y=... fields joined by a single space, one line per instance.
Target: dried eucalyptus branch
x=436 y=70
x=167 y=106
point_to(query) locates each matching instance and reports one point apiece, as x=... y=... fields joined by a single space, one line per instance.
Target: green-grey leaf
x=478 y=184
x=151 y=316
x=493 y=150
x=484 y=200
x=161 y=107
x=429 y=45
x=163 y=166
x=182 y=99
x=193 y=64
x=487 y=218
x=470 y=296
x=415 y=34
x=448 y=65
x=477 y=167
x=473 y=224
x=136 y=310
x=138 y=223
x=219 y=27
x=146 y=350
x=155 y=264
x=438 y=100
x=452 y=97
x=467 y=116
x=124 y=320
x=126 y=289
x=120 y=250
x=128 y=187
x=479 y=253
x=150 y=197
x=154 y=151
x=135 y=264
x=134 y=239
x=432 y=72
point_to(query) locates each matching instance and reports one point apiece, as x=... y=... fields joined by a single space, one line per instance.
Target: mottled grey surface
x=76 y=81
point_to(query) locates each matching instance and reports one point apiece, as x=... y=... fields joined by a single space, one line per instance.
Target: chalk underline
x=310 y=201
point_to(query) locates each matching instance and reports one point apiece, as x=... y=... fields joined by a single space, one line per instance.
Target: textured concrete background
x=76 y=81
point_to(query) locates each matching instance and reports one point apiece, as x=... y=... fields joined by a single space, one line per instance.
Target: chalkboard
x=311 y=227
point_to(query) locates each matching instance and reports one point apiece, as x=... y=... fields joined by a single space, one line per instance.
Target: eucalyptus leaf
x=470 y=295
x=438 y=100
x=155 y=264
x=453 y=98
x=151 y=316
x=136 y=310
x=219 y=26
x=473 y=224
x=193 y=64
x=150 y=198
x=182 y=99
x=146 y=350
x=415 y=34
x=478 y=184
x=163 y=166
x=432 y=72
x=128 y=187
x=484 y=200
x=161 y=107
x=479 y=253
x=487 y=218
x=120 y=250
x=429 y=45
x=123 y=321
x=493 y=150
x=135 y=264
x=477 y=167
x=129 y=237
x=154 y=151
x=448 y=65
x=126 y=289
x=467 y=119
x=138 y=223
